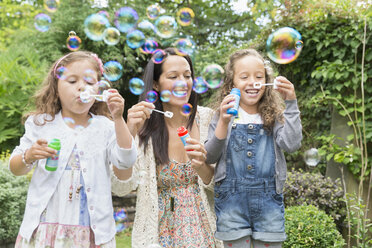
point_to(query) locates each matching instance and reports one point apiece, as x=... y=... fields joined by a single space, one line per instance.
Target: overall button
x=249 y=154
x=216 y=195
x=218 y=183
x=250 y=126
x=250 y=141
x=233 y=125
x=249 y=167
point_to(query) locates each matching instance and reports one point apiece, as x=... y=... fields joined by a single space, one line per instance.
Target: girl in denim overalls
x=251 y=168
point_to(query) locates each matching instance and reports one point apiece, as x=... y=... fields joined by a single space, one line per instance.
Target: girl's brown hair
x=46 y=98
x=271 y=105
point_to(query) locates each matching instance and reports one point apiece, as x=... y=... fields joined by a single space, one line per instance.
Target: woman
x=173 y=182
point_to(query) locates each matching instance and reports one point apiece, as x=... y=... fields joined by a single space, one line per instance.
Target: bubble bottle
x=52 y=162
x=183 y=134
x=234 y=110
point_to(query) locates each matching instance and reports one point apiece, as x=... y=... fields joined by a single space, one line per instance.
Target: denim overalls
x=246 y=202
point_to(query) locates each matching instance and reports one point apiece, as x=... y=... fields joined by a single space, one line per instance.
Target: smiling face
x=78 y=76
x=248 y=70
x=174 y=69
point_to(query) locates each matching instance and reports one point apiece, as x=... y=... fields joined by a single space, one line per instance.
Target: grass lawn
x=123 y=239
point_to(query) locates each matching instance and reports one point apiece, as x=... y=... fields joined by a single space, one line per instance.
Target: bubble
x=184 y=47
x=213 y=75
x=312 y=157
x=149 y=46
x=200 y=86
x=179 y=89
x=153 y=11
x=121 y=219
x=166 y=26
x=299 y=44
x=102 y=86
x=61 y=73
x=165 y=95
x=136 y=86
x=113 y=70
x=79 y=128
x=90 y=76
x=111 y=36
x=151 y=96
x=104 y=13
x=42 y=22
x=186 y=109
x=51 y=5
x=135 y=39
x=69 y=122
x=158 y=56
x=73 y=42
x=146 y=27
x=281 y=45
x=95 y=26
x=185 y=16
x=125 y=19
x=85 y=95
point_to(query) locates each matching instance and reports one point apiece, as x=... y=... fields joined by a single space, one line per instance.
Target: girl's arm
x=124 y=139
x=19 y=165
x=217 y=132
x=289 y=135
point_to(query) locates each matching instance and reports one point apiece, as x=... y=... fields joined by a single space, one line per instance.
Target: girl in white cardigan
x=174 y=184
x=71 y=205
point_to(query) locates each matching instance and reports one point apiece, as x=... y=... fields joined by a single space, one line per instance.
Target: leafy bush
x=307 y=226
x=13 y=191
x=317 y=190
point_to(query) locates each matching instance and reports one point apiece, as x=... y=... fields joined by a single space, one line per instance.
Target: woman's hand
x=196 y=153
x=285 y=88
x=115 y=103
x=137 y=116
x=39 y=150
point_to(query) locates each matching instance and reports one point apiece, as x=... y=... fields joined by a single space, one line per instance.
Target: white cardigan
x=97 y=148
x=145 y=228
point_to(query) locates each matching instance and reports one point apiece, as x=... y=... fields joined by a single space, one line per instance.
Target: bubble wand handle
x=166 y=113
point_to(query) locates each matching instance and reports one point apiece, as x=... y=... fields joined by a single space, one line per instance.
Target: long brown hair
x=271 y=105
x=155 y=127
x=46 y=98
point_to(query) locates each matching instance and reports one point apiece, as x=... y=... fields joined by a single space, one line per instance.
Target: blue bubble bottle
x=234 y=110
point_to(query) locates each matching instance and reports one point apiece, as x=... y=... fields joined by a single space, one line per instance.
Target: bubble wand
x=85 y=96
x=258 y=85
x=166 y=113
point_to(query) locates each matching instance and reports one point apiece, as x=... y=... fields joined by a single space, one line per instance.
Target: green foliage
x=13 y=191
x=14 y=18
x=317 y=190
x=21 y=70
x=307 y=226
x=361 y=227
x=331 y=58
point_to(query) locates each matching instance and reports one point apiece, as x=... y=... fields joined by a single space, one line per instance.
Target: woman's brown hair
x=155 y=127
x=46 y=98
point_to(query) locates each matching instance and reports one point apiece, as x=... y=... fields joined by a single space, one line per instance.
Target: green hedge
x=317 y=190
x=13 y=192
x=307 y=226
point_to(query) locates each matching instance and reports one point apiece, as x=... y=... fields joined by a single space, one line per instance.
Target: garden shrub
x=13 y=192
x=317 y=190
x=307 y=226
